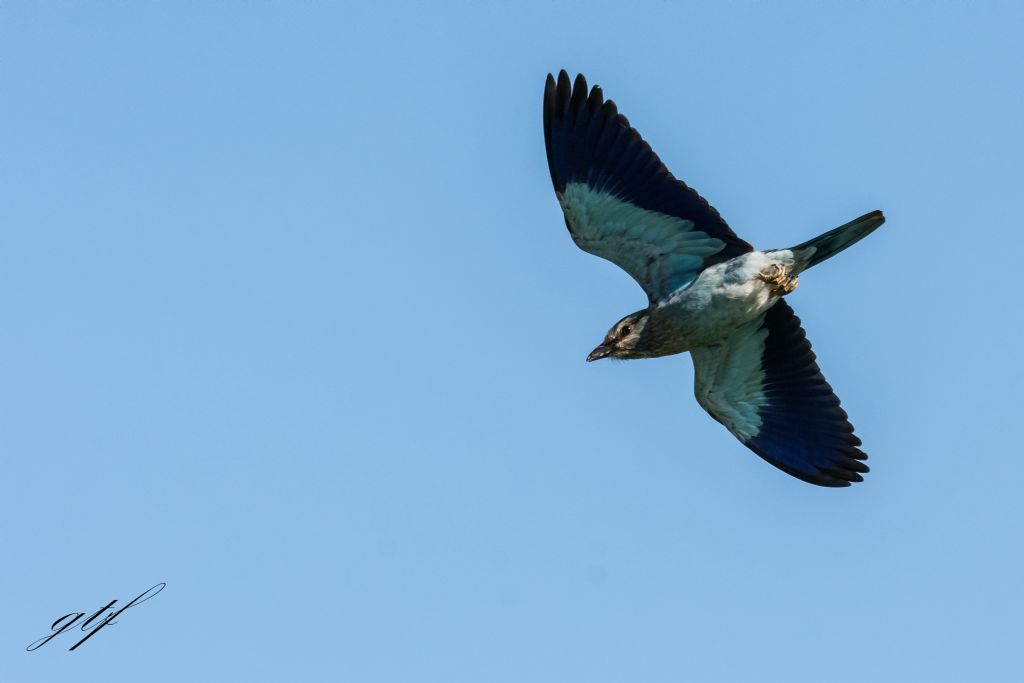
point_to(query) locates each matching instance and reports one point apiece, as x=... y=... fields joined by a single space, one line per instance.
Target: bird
x=709 y=292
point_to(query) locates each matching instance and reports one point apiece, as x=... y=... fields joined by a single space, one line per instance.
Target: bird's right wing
x=619 y=200
x=764 y=385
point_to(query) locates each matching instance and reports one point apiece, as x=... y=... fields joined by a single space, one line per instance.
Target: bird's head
x=628 y=338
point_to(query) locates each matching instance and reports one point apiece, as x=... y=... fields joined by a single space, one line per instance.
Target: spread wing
x=619 y=200
x=764 y=385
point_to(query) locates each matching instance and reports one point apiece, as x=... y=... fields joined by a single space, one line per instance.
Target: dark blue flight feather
x=804 y=431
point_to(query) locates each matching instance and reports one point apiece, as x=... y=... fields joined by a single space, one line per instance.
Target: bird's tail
x=834 y=241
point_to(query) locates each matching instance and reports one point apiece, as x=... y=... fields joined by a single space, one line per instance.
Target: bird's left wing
x=764 y=385
x=619 y=200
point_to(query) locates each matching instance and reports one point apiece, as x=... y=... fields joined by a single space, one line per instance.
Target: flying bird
x=709 y=292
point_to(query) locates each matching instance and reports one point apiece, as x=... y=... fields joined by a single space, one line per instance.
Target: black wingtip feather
x=587 y=140
x=805 y=432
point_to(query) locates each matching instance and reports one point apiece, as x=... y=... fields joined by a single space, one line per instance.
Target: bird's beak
x=600 y=352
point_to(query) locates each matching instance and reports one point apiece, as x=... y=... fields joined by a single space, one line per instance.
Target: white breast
x=723 y=298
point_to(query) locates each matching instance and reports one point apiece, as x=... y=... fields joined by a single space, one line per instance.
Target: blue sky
x=291 y=322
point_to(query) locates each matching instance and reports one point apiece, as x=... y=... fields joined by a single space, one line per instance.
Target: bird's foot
x=778 y=277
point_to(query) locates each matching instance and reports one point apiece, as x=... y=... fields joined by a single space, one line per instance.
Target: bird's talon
x=778 y=277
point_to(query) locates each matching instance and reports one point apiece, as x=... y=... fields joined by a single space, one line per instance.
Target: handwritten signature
x=69 y=620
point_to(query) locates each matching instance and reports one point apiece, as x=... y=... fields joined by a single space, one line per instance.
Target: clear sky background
x=289 y=319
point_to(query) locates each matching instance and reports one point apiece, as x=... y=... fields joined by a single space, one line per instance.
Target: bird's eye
x=625 y=330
